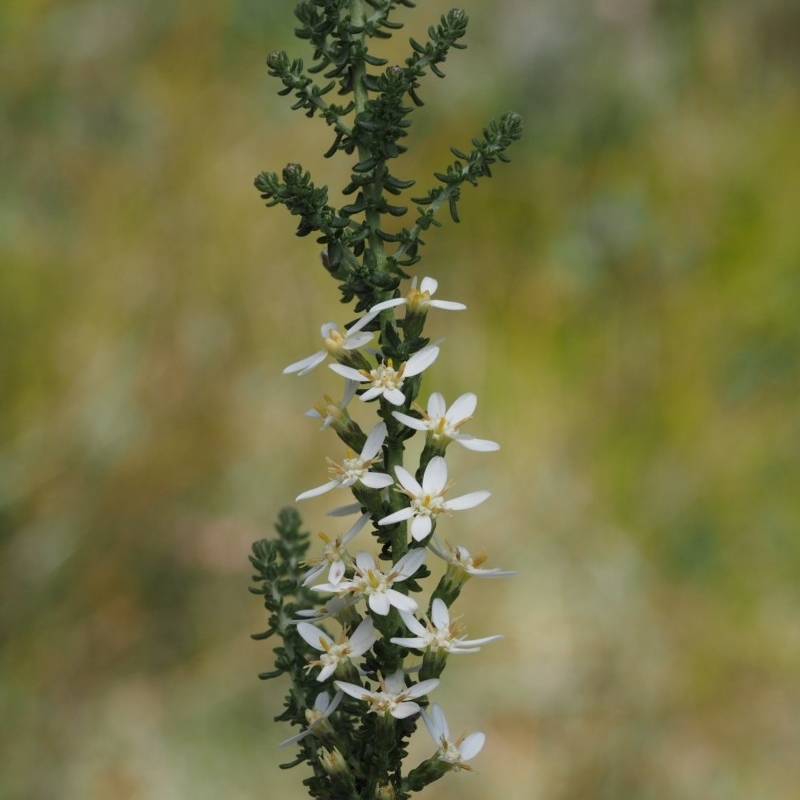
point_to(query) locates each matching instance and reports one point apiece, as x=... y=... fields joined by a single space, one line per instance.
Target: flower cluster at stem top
x=373 y=602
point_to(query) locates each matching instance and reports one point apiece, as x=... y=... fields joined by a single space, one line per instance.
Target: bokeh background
x=633 y=334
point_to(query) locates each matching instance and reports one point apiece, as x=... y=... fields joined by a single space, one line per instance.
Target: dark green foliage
x=371 y=127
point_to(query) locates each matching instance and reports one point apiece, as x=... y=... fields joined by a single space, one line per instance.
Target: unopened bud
x=385 y=792
x=333 y=762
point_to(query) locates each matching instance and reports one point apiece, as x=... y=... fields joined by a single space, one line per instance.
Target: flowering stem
x=359 y=689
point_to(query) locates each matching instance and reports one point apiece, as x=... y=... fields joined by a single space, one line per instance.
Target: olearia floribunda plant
x=362 y=641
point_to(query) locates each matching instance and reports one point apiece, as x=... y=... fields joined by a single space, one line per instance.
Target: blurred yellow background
x=633 y=335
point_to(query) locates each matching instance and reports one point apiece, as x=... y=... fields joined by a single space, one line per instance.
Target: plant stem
x=394 y=449
x=372 y=190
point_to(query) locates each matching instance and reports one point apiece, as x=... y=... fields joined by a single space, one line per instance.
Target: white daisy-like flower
x=329 y=411
x=376 y=586
x=442 y=424
x=418 y=300
x=427 y=500
x=336 y=653
x=393 y=697
x=317 y=717
x=442 y=635
x=336 y=345
x=385 y=380
x=355 y=469
x=456 y=753
x=334 y=554
x=461 y=562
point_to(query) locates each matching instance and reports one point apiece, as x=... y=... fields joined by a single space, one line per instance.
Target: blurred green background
x=633 y=335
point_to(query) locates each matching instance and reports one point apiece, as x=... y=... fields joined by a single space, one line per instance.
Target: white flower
x=393 y=698
x=418 y=300
x=385 y=380
x=442 y=635
x=428 y=500
x=442 y=424
x=460 y=561
x=335 y=653
x=455 y=753
x=316 y=716
x=335 y=344
x=355 y=469
x=329 y=410
x=333 y=554
x=369 y=581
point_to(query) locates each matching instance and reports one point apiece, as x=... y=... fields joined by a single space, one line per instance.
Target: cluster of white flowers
x=368 y=600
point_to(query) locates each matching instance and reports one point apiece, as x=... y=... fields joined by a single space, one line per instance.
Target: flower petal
x=317 y=491
x=356 y=527
x=365 y=561
x=363 y=637
x=371 y=394
x=376 y=480
x=436 y=723
x=327 y=328
x=359 y=692
x=421 y=360
x=401 y=602
x=357 y=340
x=472 y=745
x=404 y=710
x=315 y=572
x=313 y=635
x=448 y=305
x=478 y=445
x=374 y=441
x=436 y=405
x=344 y=511
x=394 y=396
x=413 y=624
x=422 y=688
x=440 y=616
x=335 y=573
x=395 y=682
x=435 y=478
x=379 y=602
x=421 y=527
x=463 y=407
x=296 y=738
x=348 y=372
x=410 y=422
x=360 y=323
x=413 y=643
x=467 y=501
x=429 y=285
x=305 y=364
x=408 y=564
x=384 y=304
x=326 y=672
x=408 y=481
x=397 y=516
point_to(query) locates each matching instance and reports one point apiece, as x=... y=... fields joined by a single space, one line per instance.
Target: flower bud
x=385 y=792
x=333 y=762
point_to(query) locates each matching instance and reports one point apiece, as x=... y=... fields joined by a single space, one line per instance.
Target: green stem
x=372 y=191
x=394 y=448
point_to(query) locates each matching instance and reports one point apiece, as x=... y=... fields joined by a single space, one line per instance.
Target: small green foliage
x=372 y=126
